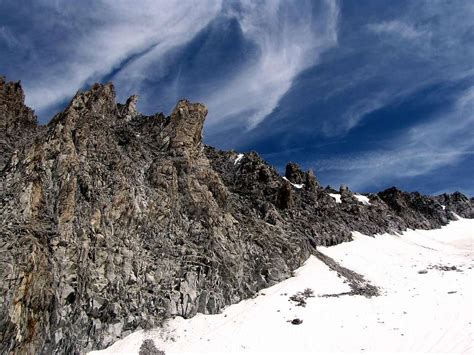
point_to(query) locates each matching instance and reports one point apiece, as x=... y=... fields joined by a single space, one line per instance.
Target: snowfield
x=425 y=280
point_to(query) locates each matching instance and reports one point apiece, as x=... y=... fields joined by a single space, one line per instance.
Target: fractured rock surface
x=113 y=221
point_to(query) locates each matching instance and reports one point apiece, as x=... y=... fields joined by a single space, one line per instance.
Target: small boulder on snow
x=296 y=321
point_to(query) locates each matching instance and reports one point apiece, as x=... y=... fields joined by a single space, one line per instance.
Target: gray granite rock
x=113 y=221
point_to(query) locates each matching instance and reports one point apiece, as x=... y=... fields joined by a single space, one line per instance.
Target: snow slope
x=424 y=306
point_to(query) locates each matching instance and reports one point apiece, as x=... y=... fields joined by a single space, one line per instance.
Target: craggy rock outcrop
x=17 y=122
x=113 y=221
x=294 y=174
x=458 y=203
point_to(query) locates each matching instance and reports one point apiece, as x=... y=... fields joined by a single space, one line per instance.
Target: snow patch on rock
x=298 y=186
x=362 y=198
x=239 y=158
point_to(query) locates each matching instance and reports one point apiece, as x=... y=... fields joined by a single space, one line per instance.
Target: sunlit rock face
x=112 y=221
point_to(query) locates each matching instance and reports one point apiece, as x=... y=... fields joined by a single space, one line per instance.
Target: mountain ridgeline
x=113 y=221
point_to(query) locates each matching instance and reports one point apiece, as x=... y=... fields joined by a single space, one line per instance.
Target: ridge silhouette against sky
x=367 y=93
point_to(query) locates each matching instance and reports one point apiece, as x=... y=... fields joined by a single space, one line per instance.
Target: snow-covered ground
x=426 y=281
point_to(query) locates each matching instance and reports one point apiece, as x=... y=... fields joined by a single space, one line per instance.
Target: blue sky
x=367 y=93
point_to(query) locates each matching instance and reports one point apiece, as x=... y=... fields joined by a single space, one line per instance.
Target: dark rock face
x=17 y=121
x=294 y=174
x=113 y=221
x=148 y=348
x=457 y=203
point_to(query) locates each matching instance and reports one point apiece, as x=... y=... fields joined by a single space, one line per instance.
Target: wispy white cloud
x=426 y=44
x=355 y=112
x=442 y=142
x=399 y=28
x=290 y=37
x=8 y=37
x=123 y=29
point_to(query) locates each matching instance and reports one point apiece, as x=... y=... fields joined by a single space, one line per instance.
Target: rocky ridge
x=113 y=221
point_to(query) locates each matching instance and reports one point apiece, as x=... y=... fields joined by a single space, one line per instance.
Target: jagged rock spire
x=17 y=121
x=13 y=112
x=294 y=174
x=129 y=110
x=186 y=124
